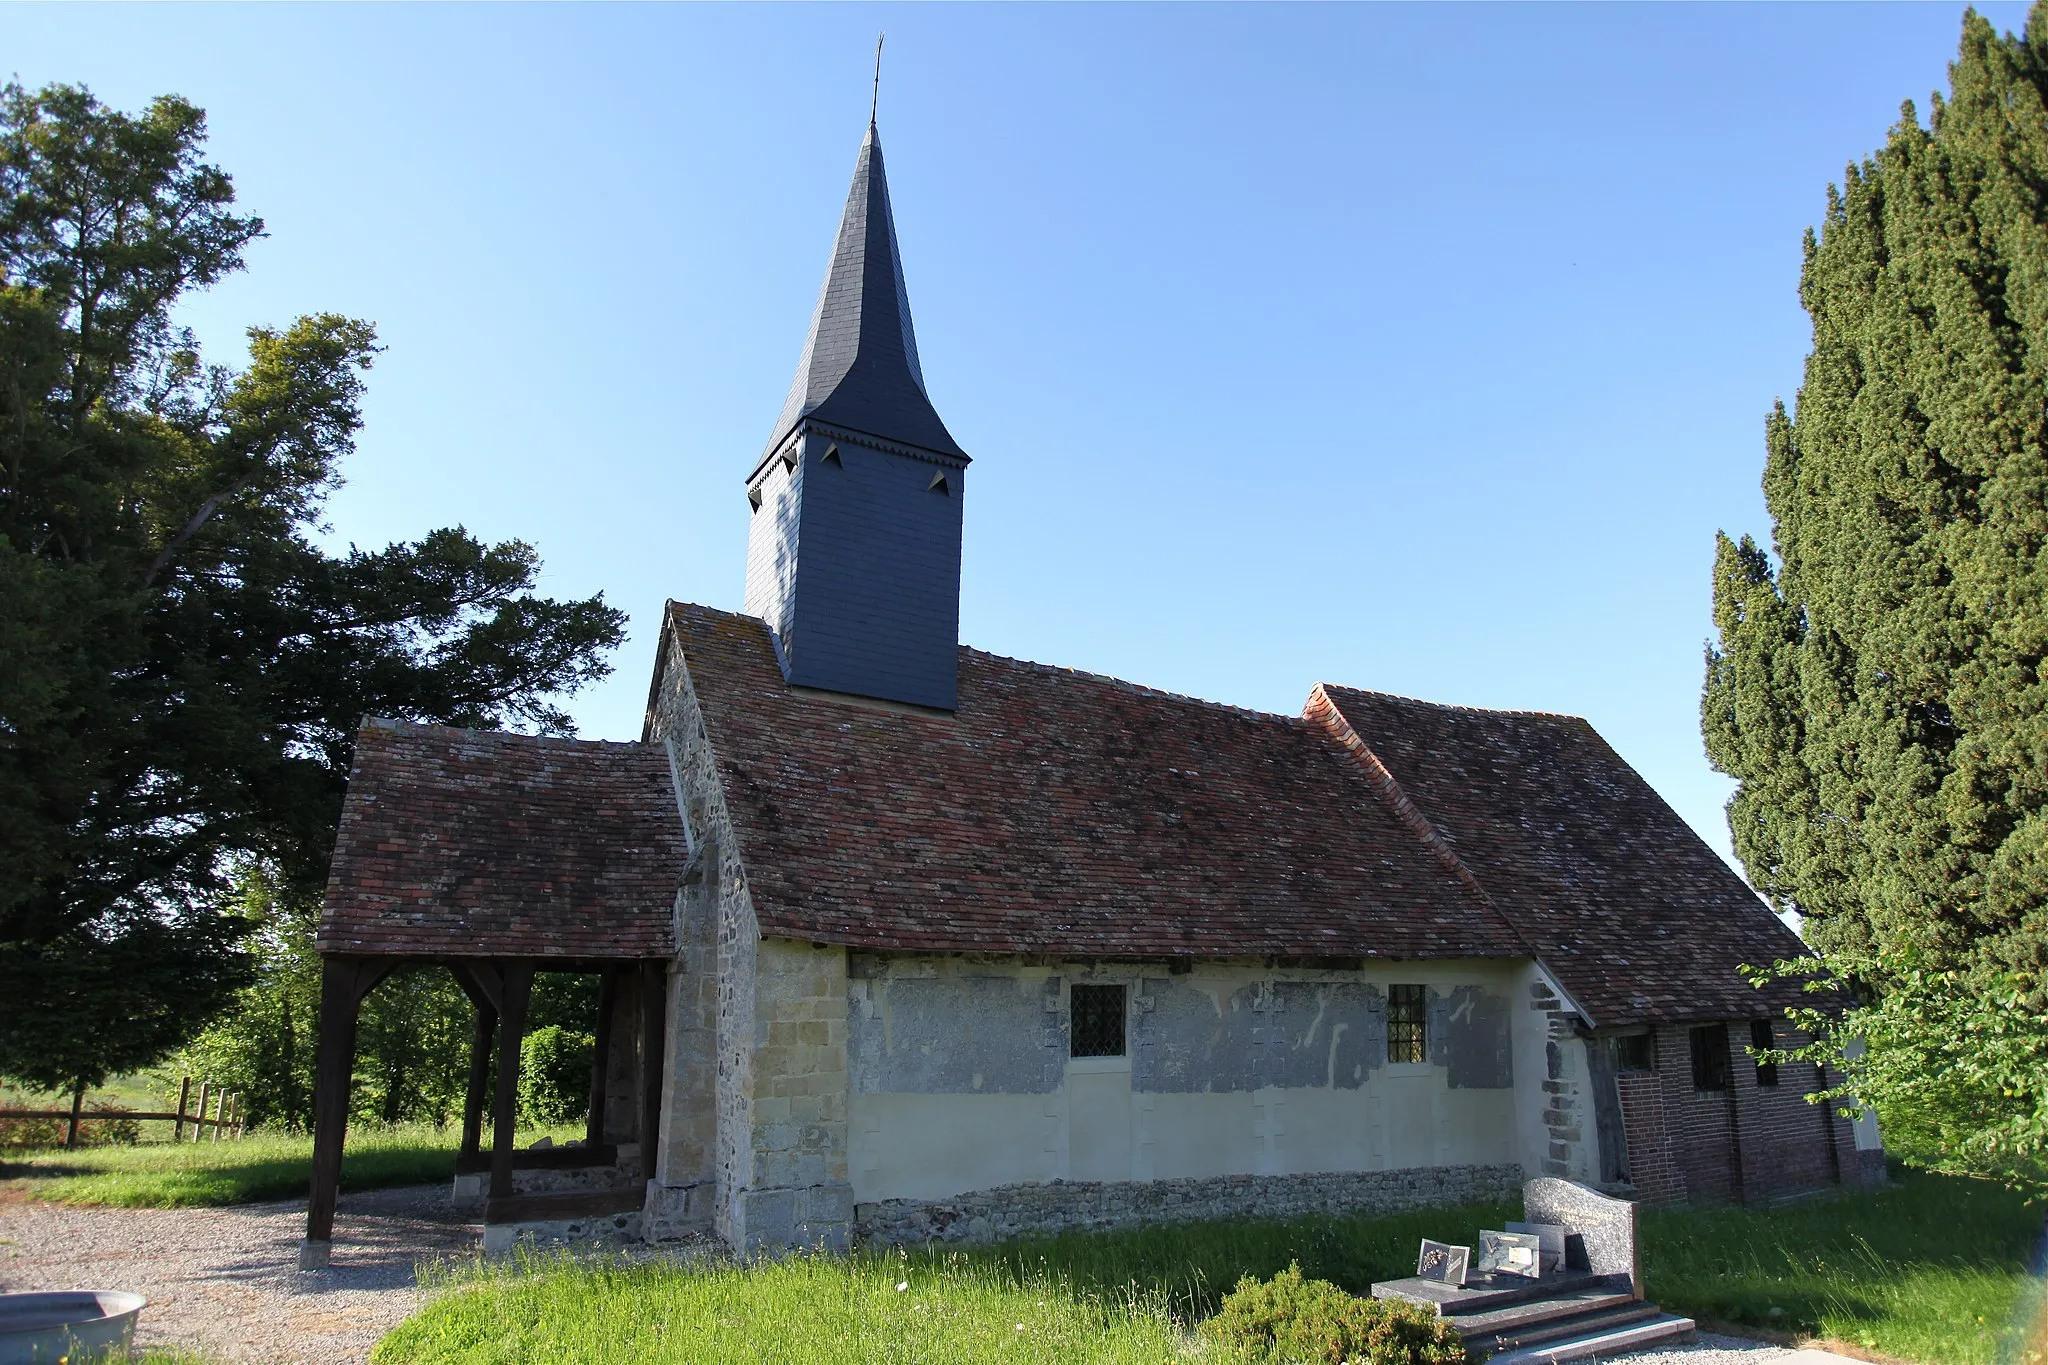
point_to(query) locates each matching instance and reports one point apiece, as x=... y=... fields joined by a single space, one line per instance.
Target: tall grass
x=1933 y=1269
x=260 y=1166
x=804 y=1310
x=1190 y=1266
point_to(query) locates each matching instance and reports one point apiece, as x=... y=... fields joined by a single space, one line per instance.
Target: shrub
x=554 y=1076
x=1288 y=1320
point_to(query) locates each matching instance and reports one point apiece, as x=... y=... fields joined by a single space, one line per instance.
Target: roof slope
x=477 y=843
x=859 y=367
x=1635 y=916
x=1059 y=812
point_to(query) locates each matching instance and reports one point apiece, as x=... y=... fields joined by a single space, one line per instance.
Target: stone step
x=1541 y=1310
x=1559 y=1328
x=1480 y=1296
x=1638 y=1336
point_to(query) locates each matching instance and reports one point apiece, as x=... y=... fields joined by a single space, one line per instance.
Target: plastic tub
x=74 y=1325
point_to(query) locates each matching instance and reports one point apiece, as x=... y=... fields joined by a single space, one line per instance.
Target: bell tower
x=853 y=556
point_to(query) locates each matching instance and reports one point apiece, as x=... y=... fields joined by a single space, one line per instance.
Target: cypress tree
x=1879 y=695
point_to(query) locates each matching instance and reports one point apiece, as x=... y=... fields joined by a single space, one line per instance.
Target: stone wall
x=1039 y=1209
x=1570 y=1152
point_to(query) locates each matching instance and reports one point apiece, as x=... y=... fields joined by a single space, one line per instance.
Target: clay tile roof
x=476 y=843
x=1060 y=812
x=1636 y=917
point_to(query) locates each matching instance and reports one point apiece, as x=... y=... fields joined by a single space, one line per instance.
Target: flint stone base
x=1034 y=1210
x=610 y=1229
x=470 y=1190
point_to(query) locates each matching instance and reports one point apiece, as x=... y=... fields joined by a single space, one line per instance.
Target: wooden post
x=344 y=981
x=220 y=1111
x=601 y=1058
x=479 y=1078
x=515 y=987
x=184 y=1094
x=199 y=1114
x=653 y=1040
x=77 y=1102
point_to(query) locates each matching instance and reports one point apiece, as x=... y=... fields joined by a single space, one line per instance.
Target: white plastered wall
x=959 y=1076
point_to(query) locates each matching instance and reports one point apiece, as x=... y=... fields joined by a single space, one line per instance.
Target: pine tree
x=1880 y=695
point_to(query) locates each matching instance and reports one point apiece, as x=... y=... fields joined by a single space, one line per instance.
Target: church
x=903 y=941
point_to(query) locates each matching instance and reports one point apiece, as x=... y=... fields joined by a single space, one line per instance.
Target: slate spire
x=859 y=367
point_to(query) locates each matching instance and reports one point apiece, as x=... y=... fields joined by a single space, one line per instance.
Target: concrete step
x=1564 y=1328
x=1661 y=1330
x=1541 y=1310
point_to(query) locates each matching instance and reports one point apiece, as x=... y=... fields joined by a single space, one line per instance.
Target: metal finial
x=876 y=102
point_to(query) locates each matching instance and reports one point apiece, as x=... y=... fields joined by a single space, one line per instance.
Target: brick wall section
x=1749 y=1143
x=1650 y=1165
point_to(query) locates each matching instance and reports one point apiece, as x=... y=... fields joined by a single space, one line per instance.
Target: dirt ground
x=225 y=1281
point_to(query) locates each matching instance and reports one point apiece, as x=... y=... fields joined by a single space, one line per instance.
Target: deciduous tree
x=182 y=666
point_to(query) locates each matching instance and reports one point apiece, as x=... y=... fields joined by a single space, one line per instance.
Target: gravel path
x=226 y=1281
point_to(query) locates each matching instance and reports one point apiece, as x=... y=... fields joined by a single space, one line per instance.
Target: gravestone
x=1600 y=1232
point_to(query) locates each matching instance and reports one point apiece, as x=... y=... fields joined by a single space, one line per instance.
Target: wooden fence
x=227 y=1113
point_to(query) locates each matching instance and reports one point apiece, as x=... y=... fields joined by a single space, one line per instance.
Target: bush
x=1289 y=1320
x=554 y=1076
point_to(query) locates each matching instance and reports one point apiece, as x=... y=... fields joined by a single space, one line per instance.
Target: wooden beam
x=653 y=1040
x=480 y=981
x=344 y=981
x=477 y=1096
x=516 y=985
x=601 y=1059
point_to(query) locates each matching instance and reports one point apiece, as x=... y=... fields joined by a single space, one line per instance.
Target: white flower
x=903 y=1286
x=1020 y=1326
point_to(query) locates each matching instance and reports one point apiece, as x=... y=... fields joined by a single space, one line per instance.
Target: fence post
x=77 y=1101
x=220 y=1104
x=184 y=1094
x=199 y=1115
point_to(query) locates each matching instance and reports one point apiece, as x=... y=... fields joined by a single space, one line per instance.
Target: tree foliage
x=182 y=666
x=1878 y=690
x=412 y=1038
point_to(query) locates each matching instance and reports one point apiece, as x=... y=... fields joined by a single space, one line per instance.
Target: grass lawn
x=817 y=1310
x=1933 y=1270
x=260 y=1166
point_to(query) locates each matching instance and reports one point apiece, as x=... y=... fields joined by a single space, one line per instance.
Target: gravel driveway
x=226 y=1282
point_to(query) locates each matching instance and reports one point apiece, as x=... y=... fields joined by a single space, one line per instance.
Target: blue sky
x=1419 y=348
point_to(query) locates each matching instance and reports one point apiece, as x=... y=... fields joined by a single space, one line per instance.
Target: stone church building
x=902 y=940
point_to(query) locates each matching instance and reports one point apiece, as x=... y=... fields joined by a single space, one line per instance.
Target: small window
x=831 y=457
x=1762 y=1040
x=940 y=486
x=754 y=498
x=1633 y=1054
x=1407 y=1024
x=1710 y=1058
x=789 y=460
x=1097 y=1022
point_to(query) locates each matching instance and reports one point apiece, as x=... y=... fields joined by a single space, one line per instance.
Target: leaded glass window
x=1407 y=1024
x=1097 y=1022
